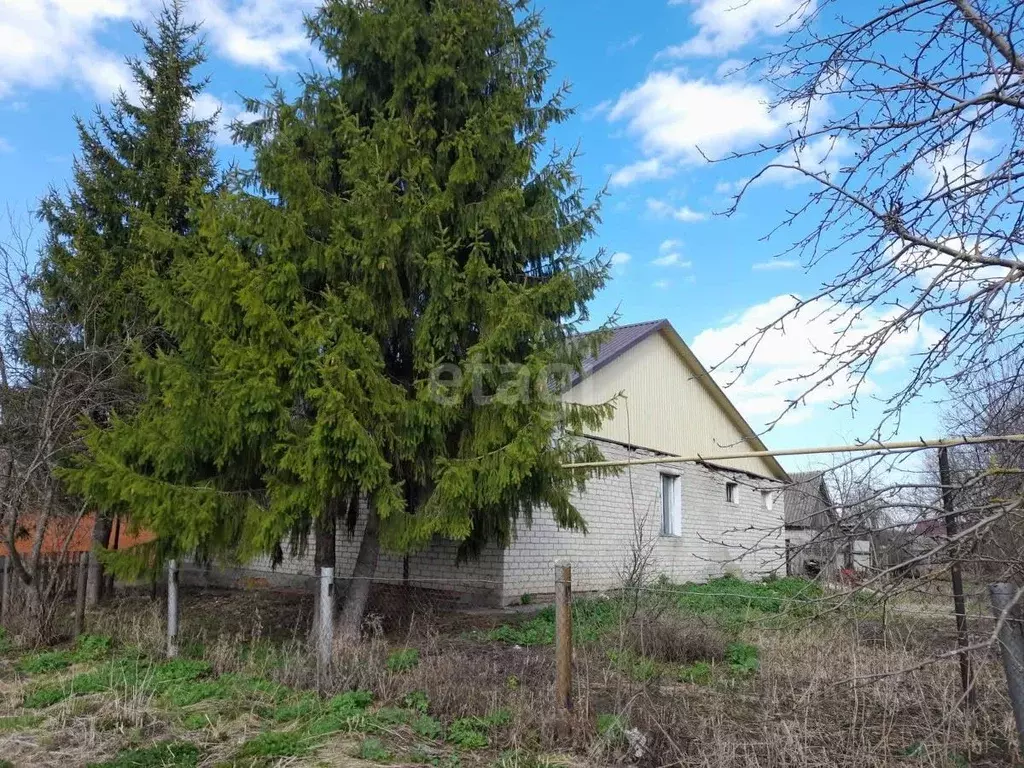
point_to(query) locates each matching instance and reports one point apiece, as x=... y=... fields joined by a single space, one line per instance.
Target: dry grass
x=833 y=692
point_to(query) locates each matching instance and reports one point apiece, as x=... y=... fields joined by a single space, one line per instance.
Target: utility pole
x=952 y=529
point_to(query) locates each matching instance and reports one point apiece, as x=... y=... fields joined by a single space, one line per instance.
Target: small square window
x=731 y=494
x=671 y=508
x=769 y=499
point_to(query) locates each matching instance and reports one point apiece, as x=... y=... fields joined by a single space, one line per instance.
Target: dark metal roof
x=807 y=502
x=621 y=339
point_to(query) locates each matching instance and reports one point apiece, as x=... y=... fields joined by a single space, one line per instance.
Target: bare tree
x=907 y=119
x=51 y=377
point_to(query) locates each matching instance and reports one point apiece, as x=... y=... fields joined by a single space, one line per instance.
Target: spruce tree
x=139 y=166
x=381 y=308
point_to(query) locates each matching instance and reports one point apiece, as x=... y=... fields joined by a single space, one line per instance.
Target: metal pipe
x=903 y=445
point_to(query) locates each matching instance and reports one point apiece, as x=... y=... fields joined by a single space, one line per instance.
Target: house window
x=769 y=499
x=671 y=507
x=731 y=494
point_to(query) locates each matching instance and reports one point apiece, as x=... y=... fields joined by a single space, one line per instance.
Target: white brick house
x=701 y=519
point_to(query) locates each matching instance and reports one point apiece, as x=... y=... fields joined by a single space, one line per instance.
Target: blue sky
x=652 y=83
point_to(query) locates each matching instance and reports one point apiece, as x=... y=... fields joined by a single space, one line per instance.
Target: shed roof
x=808 y=503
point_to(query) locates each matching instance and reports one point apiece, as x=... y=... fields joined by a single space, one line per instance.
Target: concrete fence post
x=1011 y=649
x=172 y=609
x=80 y=590
x=325 y=631
x=563 y=636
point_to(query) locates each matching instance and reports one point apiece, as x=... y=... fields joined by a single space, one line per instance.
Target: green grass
x=730 y=597
x=276 y=744
x=403 y=660
x=474 y=732
x=87 y=648
x=590 y=619
x=20 y=722
x=374 y=749
x=168 y=754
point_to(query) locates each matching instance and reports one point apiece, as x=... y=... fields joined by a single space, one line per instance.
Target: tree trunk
x=351 y=622
x=101 y=528
x=324 y=554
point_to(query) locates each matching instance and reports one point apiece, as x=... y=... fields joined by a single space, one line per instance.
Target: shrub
x=699 y=672
x=675 y=641
x=427 y=727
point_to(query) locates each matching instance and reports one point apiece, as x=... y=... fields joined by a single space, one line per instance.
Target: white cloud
x=48 y=43
x=5 y=146
x=927 y=264
x=800 y=347
x=661 y=284
x=207 y=105
x=670 y=245
x=640 y=171
x=597 y=110
x=685 y=213
x=672 y=260
x=679 y=119
x=775 y=264
x=724 y=26
x=626 y=44
x=619 y=261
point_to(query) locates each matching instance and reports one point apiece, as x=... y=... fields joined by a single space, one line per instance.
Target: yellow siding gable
x=666 y=406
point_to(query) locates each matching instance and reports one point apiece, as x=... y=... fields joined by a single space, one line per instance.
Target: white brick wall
x=715 y=536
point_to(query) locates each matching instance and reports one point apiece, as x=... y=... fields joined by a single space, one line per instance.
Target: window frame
x=732 y=495
x=768 y=499
x=672 y=515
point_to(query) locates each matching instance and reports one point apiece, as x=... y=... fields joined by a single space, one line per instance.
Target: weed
x=519 y=758
x=591 y=619
x=46 y=696
x=612 y=728
x=403 y=660
x=634 y=666
x=92 y=647
x=473 y=732
x=373 y=749
x=426 y=727
x=417 y=700
x=190 y=692
x=168 y=754
x=45 y=662
x=699 y=672
x=275 y=744
x=304 y=706
x=526 y=599
x=743 y=657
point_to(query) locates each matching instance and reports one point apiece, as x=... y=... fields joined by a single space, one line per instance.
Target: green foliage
x=374 y=749
x=417 y=700
x=426 y=727
x=634 y=666
x=87 y=648
x=306 y=705
x=92 y=647
x=591 y=619
x=45 y=696
x=275 y=744
x=473 y=732
x=403 y=659
x=700 y=672
x=742 y=658
x=404 y=240
x=45 y=662
x=526 y=599
x=168 y=754
x=736 y=597
x=611 y=727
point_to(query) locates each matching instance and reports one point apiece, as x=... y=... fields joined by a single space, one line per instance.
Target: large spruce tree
x=139 y=167
x=381 y=308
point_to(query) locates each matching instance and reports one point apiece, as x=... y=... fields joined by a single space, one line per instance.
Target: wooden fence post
x=1011 y=649
x=5 y=588
x=325 y=631
x=563 y=636
x=80 y=590
x=172 y=609
x=952 y=529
